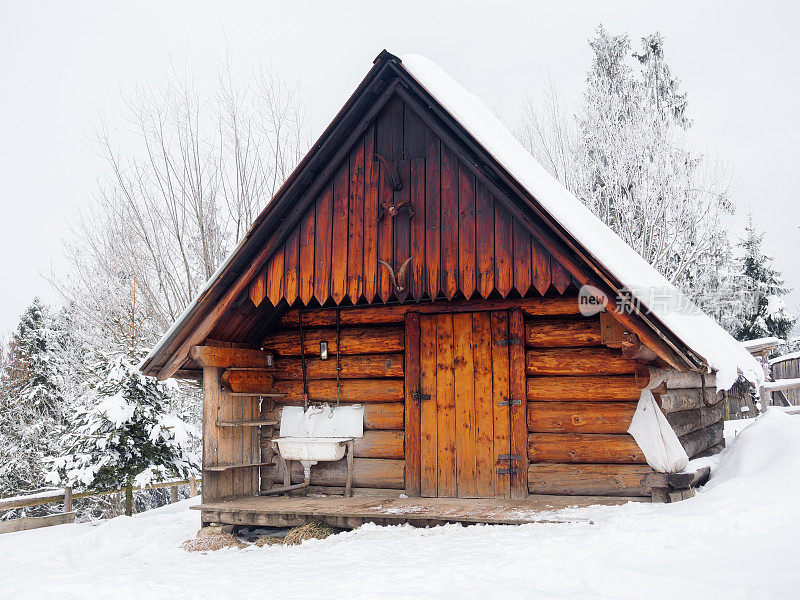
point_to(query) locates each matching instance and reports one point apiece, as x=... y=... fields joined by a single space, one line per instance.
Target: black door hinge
x=509 y=471
x=509 y=402
x=509 y=457
x=420 y=396
x=509 y=342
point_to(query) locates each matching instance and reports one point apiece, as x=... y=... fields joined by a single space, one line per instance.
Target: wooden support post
x=128 y=499
x=192 y=487
x=173 y=494
x=348 y=488
x=67 y=499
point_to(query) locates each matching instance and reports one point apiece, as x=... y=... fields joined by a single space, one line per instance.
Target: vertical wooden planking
x=226 y=437
x=466 y=230
x=523 y=268
x=402 y=221
x=274 y=287
x=258 y=289
x=428 y=419
x=412 y=404
x=541 y=268
x=503 y=250
x=384 y=147
x=371 y=174
x=464 y=392
x=449 y=223
x=211 y=393
x=356 y=226
x=560 y=275
x=500 y=393
x=484 y=240
x=445 y=408
x=432 y=213
x=341 y=193
x=416 y=285
x=414 y=133
x=518 y=416
x=322 y=245
x=306 y=268
x=291 y=251
x=485 y=467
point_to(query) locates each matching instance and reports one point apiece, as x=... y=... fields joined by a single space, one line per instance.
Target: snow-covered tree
x=37 y=388
x=127 y=437
x=625 y=152
x=766 y=314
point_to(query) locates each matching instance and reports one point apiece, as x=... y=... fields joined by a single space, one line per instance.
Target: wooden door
x=468 y=412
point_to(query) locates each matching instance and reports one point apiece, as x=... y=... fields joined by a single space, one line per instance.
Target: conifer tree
x=765 y=314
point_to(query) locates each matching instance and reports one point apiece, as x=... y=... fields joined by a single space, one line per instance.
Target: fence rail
x=66 y=496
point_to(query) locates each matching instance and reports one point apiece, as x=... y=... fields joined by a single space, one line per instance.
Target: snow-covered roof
x=761 y=343
x=790 y=356
x=694 y=328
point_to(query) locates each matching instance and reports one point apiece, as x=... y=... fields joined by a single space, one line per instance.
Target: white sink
x=312 y=449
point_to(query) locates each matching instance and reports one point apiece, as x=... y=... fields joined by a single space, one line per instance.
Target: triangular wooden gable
x=403 y=217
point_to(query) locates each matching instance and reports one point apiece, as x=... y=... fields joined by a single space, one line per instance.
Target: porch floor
x=282 y=511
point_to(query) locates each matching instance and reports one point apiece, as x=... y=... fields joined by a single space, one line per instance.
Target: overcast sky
x=64 y=63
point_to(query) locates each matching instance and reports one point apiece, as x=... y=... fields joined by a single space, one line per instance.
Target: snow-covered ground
x=738 y=538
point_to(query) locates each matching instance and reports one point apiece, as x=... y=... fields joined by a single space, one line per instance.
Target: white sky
x=64 y=63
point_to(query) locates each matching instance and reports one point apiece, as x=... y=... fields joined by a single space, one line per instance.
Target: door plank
x=485 y=470
x=412 y=428
x=445 y=406
x=464 y=373
x=519 y=429
x=500 y=393
x=427 y=375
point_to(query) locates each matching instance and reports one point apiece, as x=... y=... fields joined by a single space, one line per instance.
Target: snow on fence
x=786 y=367
x=66 y=496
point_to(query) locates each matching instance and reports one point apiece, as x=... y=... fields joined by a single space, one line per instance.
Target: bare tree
x=187 y=175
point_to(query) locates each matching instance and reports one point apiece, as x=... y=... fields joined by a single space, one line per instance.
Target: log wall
x=372 y=370
x=581 y=398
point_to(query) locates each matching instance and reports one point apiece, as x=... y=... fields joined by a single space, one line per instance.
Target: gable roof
x=690 y=338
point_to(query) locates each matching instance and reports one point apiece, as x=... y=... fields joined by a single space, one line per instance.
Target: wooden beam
x=218 y=356
x=248 y=381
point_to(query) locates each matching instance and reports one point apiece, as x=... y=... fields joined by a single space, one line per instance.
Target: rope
x=303 y=361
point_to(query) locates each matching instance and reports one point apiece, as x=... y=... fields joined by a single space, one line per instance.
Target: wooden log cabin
x=420 y=263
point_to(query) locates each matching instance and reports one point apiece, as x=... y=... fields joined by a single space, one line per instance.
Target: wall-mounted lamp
x=323 y=350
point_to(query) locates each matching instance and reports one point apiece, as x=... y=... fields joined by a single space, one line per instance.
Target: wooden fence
x=67 y=496
x=786 y=368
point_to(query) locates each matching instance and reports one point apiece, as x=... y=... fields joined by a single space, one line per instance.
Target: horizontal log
x=683 y=481
x=583 y=448
x=243 y=381
x=715 y=449
x=560 y=333
x=634 y=349
x=590 y=480
x=577 y=361
x=673 y=380
x=367 y=472
x=379 y=444
x=379 y=416
x=701 y=440
x=580 y=417
x=610 y=388
x=353 y=340
x=375 y=315
x=218 y=356
x=350 y=390
x=686 y=421
x=28 y=523
x=352 y=367
x=688 y=399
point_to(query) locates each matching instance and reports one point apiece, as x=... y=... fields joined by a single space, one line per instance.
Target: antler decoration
x=399 y=281
x=392 y=172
